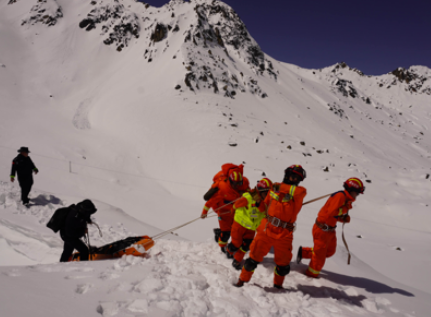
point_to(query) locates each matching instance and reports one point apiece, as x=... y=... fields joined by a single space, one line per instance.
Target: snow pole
x=345 y=244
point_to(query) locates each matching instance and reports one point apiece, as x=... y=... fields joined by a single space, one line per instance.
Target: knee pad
x=231 y=248
x=282 y=270
x=250 y=264
x=246 y=245
x=224 y=236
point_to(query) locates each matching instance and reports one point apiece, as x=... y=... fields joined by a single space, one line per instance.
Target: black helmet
x=87 y=206
x=294 y=170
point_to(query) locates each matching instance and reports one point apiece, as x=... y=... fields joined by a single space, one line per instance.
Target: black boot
x=217 y=233
x=236 y=265
x=278 y=286
x=299 y=256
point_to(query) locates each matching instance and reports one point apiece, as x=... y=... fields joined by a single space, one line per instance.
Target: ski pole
x=89 y=247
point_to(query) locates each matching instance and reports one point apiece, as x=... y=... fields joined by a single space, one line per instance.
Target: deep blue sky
x=375 y=36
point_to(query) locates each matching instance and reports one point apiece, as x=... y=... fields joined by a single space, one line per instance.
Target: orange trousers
x=238 y=236
x=260 y=247
x=325 y=245
x=225 y=220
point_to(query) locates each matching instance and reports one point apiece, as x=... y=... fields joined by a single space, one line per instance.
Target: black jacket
x=24 y=166
x=76 y=223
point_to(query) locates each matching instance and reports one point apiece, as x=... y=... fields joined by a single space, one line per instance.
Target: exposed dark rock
x=45 y=11
x=160 y=33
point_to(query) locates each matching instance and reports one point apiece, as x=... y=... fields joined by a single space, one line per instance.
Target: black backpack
x=58 y=219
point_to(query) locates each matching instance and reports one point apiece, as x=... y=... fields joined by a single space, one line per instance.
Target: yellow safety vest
x=249 y=217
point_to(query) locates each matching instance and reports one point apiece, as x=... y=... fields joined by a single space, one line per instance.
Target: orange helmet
x=264 y=184
x=235 y=177
x=354 y=185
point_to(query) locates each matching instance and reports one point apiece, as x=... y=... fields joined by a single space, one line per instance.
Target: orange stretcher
x=136 y=246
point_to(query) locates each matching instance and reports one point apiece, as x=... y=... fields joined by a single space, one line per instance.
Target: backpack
x=222 y=176
x=58 y=219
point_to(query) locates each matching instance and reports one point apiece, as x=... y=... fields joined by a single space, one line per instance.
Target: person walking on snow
x=24 y=167
x=75 y=228
x=276 y=231
x=221 y=195
x=249 y=212
x=325 y=238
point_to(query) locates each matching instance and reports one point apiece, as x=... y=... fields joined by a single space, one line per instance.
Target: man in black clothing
x=75 y=228
x=24 y=166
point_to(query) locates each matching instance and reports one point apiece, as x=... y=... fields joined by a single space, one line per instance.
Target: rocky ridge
x=45 y=11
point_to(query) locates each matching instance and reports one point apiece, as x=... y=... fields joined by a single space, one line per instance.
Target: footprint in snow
x=83 y=288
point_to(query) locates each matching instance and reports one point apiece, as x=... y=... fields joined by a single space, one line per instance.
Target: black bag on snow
x=58 y=219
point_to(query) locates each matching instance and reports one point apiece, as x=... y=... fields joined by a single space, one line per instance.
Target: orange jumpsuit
x=325 y=242
x=221 y=203
x=241 y=236
x=285 y=202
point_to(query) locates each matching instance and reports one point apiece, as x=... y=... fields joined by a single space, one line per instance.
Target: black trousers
x=25 y=190
x=71 y=244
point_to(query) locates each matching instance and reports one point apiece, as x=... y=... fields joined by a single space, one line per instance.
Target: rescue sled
x=136 y=246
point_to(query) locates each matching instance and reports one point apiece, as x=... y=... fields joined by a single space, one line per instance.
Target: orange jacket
x=225 y=195
x=224 y=174
x=337 y=205
x=286 y=211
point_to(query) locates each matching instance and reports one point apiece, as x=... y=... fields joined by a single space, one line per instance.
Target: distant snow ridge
x=120 y=23
x=415 y=79
x=45 y=12
x=218 y=53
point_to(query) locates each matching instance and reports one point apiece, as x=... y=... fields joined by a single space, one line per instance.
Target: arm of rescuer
x=243 y=202
x=213 y=203
x=13 y=171
x=33 y=167
x=337 y=208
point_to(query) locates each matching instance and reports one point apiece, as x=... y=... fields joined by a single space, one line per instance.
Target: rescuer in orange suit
x=284 y=203
x=250 y=209
x=325 y=238
x=224 y=192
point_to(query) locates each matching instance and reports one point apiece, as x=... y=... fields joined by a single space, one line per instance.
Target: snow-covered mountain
x=137 y=107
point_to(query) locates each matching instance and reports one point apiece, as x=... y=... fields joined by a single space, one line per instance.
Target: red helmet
x=354 y=185
x=264 y=184
x=235 y=177
x=294 y=170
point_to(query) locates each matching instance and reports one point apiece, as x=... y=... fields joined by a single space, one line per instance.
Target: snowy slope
x=138 y=107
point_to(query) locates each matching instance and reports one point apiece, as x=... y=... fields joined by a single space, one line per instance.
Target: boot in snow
x=239 y=283
x=217 y=232
x=299 y=255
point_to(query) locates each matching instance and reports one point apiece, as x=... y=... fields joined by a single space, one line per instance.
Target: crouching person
x=74 y=228
x=249 y=212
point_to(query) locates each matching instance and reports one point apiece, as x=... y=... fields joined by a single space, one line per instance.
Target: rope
x=315 y=199
x=100 y=231
x=164 y=233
